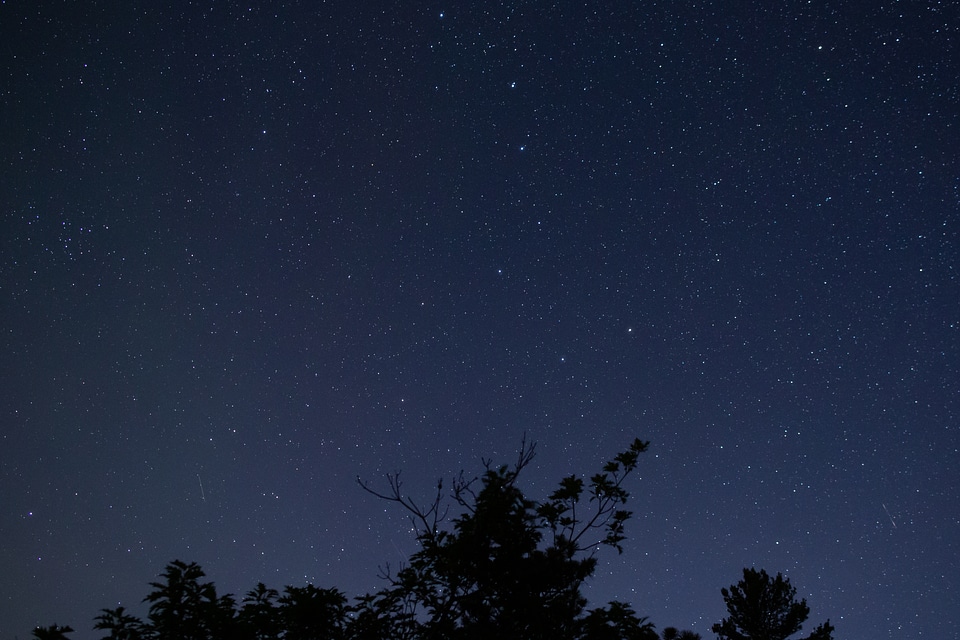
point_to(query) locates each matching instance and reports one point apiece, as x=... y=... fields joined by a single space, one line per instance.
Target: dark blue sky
x=267 y=249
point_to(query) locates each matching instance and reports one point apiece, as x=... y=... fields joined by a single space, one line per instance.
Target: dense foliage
x=765 y=608
x=504 y=567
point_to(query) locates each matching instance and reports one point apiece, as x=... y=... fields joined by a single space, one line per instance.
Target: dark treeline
x=505 y=568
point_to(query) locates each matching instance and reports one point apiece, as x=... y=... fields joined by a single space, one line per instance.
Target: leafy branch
x=606 y=493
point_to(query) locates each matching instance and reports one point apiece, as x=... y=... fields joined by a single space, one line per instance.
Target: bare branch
x=527 y=453
x=462 y=490
x=424 y=519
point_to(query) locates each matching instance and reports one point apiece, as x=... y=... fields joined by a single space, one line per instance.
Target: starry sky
x=250 y=251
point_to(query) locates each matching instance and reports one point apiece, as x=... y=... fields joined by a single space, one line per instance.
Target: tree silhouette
x=617 y=622
x=311 y=613
x=672 y=633
x=390 y=613
x=765 y=608
x=53 y=632
x=259 y=617
x=183 y=608
x=504 y=567
x=507 y=566
x=121 y=625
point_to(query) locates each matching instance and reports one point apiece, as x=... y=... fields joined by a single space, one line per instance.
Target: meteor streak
x=888 y=515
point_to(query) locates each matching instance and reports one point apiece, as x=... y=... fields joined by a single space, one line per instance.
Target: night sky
x=249 y=253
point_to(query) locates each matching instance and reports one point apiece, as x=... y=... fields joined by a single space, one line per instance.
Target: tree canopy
x=765 y=608
x=502 y=566
x=508 y=565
